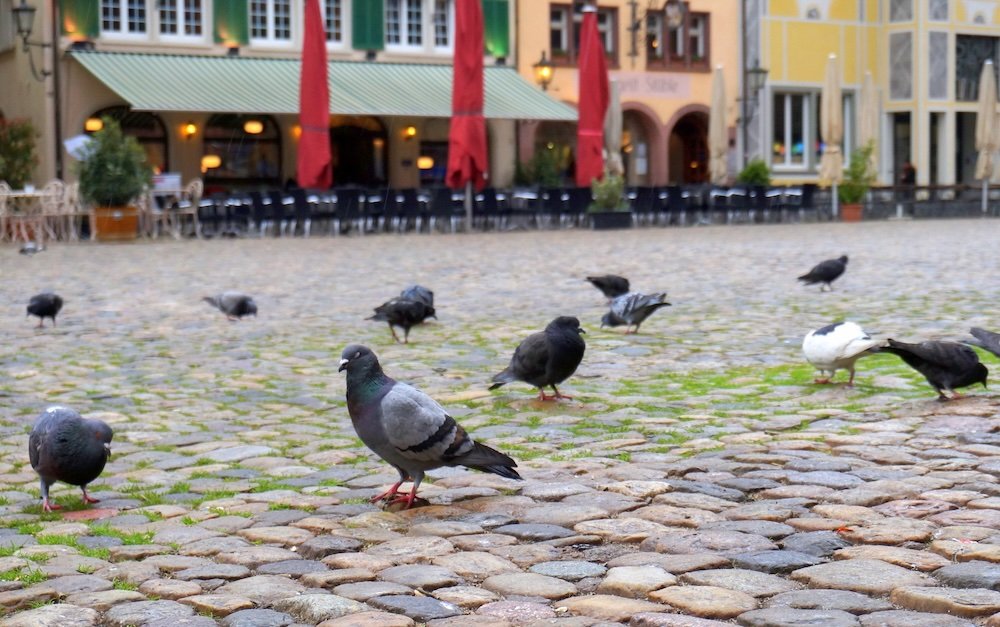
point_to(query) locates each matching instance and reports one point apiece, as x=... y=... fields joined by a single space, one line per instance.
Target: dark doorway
x=902 y=130
x=359 y=151
x=689 y=150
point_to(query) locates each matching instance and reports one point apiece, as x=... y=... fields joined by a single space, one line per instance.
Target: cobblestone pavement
x=698 y=477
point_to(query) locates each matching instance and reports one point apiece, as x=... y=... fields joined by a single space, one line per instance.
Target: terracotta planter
x=601 y=220
x=851 y=212
x=115 y=224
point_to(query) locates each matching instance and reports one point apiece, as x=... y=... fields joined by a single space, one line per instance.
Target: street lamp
x=24 y=22
x=543 y=72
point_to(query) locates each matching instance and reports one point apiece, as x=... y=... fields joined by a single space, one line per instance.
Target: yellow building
x=663 y=63
x=925 y=57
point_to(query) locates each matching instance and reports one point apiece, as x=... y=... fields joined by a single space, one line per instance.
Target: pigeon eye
x=356 y=355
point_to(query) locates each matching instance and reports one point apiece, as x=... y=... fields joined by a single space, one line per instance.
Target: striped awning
x=223 y=84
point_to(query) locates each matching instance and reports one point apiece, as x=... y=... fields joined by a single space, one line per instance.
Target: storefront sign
x=653 y=84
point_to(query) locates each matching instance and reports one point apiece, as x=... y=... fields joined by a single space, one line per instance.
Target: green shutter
x=80 y=18
x=368 y=22
x=231 y=22
x=496 y=16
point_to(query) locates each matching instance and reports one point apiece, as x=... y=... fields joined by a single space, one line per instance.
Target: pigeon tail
x=504 y=471
x=489 y=460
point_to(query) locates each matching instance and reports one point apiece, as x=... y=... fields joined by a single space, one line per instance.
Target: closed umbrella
x=467 y=161
x=314 y=167
x=869 y=116
x=593 y=103
x=987 y=141
x=718 y=142
x=613 y=131
x=831 y=121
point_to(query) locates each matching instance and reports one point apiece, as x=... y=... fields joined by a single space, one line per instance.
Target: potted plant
x=755 y=174
x=609 y=209
x=17 y=152
x=112 y=174
x=858 y=179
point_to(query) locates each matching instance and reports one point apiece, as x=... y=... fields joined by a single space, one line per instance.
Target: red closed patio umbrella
x=467 y=161
x=314 y=160
x=593 y=103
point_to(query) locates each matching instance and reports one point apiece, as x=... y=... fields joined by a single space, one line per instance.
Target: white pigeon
x=838 y=346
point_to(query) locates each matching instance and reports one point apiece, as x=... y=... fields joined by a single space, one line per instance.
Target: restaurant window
x=245 y=159
x=271 y=21
x=333 y=20
x=564 y=32
x=404 y=23
x=182 y=18
x=791 y=121
x=123 y=17
x=687 y=46
x=147 y=128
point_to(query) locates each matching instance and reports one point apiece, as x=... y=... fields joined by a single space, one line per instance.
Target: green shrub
x=17 y=152
x=113 y=170
x=543 y=169
x=608 y=193
x=859 y=176
x=755 y=172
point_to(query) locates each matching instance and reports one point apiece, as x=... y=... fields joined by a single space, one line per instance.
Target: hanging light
x=189 y=129
x=253 y=127
x=92 y=125
x=425 y=162
x=209 y=162
x=296 y=131
x=409 y=132
x=543 y=72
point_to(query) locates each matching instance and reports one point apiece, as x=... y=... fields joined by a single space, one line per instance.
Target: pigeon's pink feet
x=542 y=396
x=821 y=381
x=393 y=491
x=48 y=507
x=404 y=497
x=89 y=499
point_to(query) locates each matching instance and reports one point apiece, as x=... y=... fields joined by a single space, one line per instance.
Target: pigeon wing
x=986 y=340
x=419 y=430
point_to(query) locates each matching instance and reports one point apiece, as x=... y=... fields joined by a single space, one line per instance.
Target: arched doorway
x=147 y=128
x=249 y=151
x=358 y=147
x=688 y=149
x=554 y=158
x=643 y=153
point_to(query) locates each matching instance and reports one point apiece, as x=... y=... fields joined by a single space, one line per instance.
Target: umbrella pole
x=468 y=207
x=836 y=203
x=986 y=192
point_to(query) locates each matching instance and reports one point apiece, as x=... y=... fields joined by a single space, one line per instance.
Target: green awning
x=222 y=84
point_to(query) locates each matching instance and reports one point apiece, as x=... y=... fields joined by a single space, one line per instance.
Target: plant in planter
x=17 y=152
x=858 y=179
x=755 y=173
x=609 y=209
x=113 y=172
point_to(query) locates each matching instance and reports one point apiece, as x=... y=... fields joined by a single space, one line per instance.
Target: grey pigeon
x=45 y=305
x=63 y=446
x=945 y=365
x=418 y=293
x=403 y=313
x=546 y=358
x=409 y=429
x=234 y=304
x=825 y=272
x=611 y=285
x=632 y=308
x=30 y=248
x=986 y=340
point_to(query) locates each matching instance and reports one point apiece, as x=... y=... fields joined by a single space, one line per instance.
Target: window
x=971 y=51
x=654 y=38
x=564 y=32
x=147 y=128
x=442 y=24
x=127 y=17
x=333 y=20
x=247 y=159
x=180 y=17
x=271 y=20
x=796 y=142
x=404 y=23
x=686 y=46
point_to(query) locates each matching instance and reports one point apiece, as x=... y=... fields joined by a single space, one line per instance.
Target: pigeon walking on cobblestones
x=403 y=313
x=825 y=272
x=234 y=304
x=419 y=293
x=45 y=305
x=945 y=365
x=632 y=309
x=987 y=340
x=409 y=429
x=546 y=358
x=611 y=285
x=837 y=346
x=64 y=446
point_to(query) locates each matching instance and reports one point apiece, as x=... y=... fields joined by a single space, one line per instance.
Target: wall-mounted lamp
x=296 y=131
x=209 y=162
x=543 y=72
x=409 y=132
x=189 y=130
x=233 y=51
x=253 y=127
x=92 y=125
x=24 y=22
x=425 y=162
x=378 y=143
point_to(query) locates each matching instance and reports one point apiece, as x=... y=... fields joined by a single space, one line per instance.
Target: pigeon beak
x=581 y=331
x=343 y=365
x=107 y=450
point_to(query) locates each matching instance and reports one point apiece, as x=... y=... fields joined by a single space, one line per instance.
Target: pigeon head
x=611 y=320
x=569 y=323
x=251 y=308
x=981 y=373
x=842 y=259
x=357 y=358
x=211 y=300
x=102 y=433
x=431 y=313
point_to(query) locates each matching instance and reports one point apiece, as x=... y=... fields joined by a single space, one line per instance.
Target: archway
x=358 y=147
x=147 y=128
x=688 y=148
x=554 y=155
x=643 y=148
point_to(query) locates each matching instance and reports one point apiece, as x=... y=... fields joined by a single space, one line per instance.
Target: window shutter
x=231 y=22
x=368 y=25
x=80 y=18
x=496 y=16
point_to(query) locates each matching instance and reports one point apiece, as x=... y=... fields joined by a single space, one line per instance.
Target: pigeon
x=31 y=248
x=404 y=313
x=837 y=346
x=419 y=293
x=611 y=285
x=546 y=358
x=632 y=308
x=234 y=304
x=45 y=305
x=946 y=365
x=63 y=446
x=825 y=272
x=987 y=340
x=409 y=429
